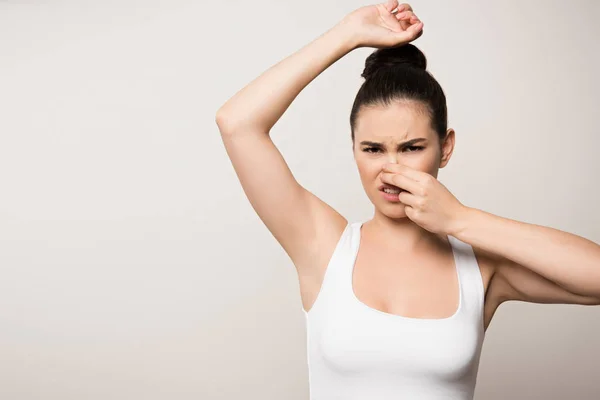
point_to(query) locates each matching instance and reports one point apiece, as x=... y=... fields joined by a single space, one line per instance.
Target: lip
x=391 y=197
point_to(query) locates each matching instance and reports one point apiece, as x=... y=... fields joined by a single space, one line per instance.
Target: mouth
x=390 y=187
x=391 y=193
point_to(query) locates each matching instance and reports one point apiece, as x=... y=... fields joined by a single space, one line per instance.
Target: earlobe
x=447 y=147
x=443 y=162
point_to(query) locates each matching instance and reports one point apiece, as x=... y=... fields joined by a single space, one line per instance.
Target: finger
x=407 y=19
x=405 y=6
x=404 y=19
x=391 y=5
x=408 y=199
x=405 y=170
x=404 y=15
x=409 y=33
x=402 y=182
x=400 y=8
x=419 y=34
x=414 y=19
x=416 y=29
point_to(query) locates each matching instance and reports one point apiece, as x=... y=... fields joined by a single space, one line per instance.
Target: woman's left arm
x=537 y=263
x=531 y=262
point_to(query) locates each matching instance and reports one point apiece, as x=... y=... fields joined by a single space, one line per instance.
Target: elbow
x=223 y=121
x=230 y=123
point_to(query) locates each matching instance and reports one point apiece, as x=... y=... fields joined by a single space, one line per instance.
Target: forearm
x=568 y=260
x=260 y=104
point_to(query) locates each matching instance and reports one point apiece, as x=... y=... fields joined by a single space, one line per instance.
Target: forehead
x=398 y=121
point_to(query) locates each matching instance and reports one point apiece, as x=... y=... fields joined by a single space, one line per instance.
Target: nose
x=390 y=161
x=392 y=158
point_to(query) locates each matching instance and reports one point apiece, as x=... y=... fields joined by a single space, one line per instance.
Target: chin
x=397 y=213
x=388 y=208
x=393 y=210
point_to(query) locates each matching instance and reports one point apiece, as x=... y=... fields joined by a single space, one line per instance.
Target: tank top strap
x=334 y=278
x=471 y=282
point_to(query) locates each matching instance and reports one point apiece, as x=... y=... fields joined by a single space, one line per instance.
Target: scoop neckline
x=358 y=231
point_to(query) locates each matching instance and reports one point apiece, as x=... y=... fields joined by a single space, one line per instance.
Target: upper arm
x=294 y=216
x=513 y=281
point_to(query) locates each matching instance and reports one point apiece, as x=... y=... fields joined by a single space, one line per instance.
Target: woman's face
x=398 y=133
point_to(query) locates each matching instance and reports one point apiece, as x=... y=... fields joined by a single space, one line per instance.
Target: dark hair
x=399 y=73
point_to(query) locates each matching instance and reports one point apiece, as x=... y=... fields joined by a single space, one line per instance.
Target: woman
x=397 y=306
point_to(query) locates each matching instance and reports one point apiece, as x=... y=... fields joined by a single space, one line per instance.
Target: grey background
x=133 y=267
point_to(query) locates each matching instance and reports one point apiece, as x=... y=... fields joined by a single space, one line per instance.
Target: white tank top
x=356 y=352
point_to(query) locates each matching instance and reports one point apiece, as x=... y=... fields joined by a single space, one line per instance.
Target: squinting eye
x=368 y=149
x=374 y=149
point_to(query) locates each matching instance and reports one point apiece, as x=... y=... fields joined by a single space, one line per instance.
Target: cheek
x=426 y=162
x=369 y=169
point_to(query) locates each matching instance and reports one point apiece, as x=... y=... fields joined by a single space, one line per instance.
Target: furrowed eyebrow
x=407 y=143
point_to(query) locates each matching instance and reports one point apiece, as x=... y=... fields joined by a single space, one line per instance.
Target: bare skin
x=420 y=283
x=401 y=268
x=306 y=227
x=393 y=249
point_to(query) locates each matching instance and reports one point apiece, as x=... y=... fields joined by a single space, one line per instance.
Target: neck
x=401 y=233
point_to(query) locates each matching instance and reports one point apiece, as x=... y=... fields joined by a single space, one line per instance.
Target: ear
x=447 y=147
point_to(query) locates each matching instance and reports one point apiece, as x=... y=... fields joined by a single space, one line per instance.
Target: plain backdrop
x=132 y=265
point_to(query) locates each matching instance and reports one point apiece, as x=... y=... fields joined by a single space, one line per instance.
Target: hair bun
x=408 y=56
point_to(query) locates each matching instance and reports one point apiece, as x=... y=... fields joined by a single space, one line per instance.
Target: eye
x=370 y=149
x=415 y=148
x=375 y=149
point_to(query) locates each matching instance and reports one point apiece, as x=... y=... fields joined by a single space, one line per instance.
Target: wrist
x=462 y=221
x=346 y=35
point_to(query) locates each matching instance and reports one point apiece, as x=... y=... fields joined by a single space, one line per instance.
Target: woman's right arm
x=293 y=215
x=298 y=220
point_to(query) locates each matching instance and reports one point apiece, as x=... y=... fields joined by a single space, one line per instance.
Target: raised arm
x=295 y=217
